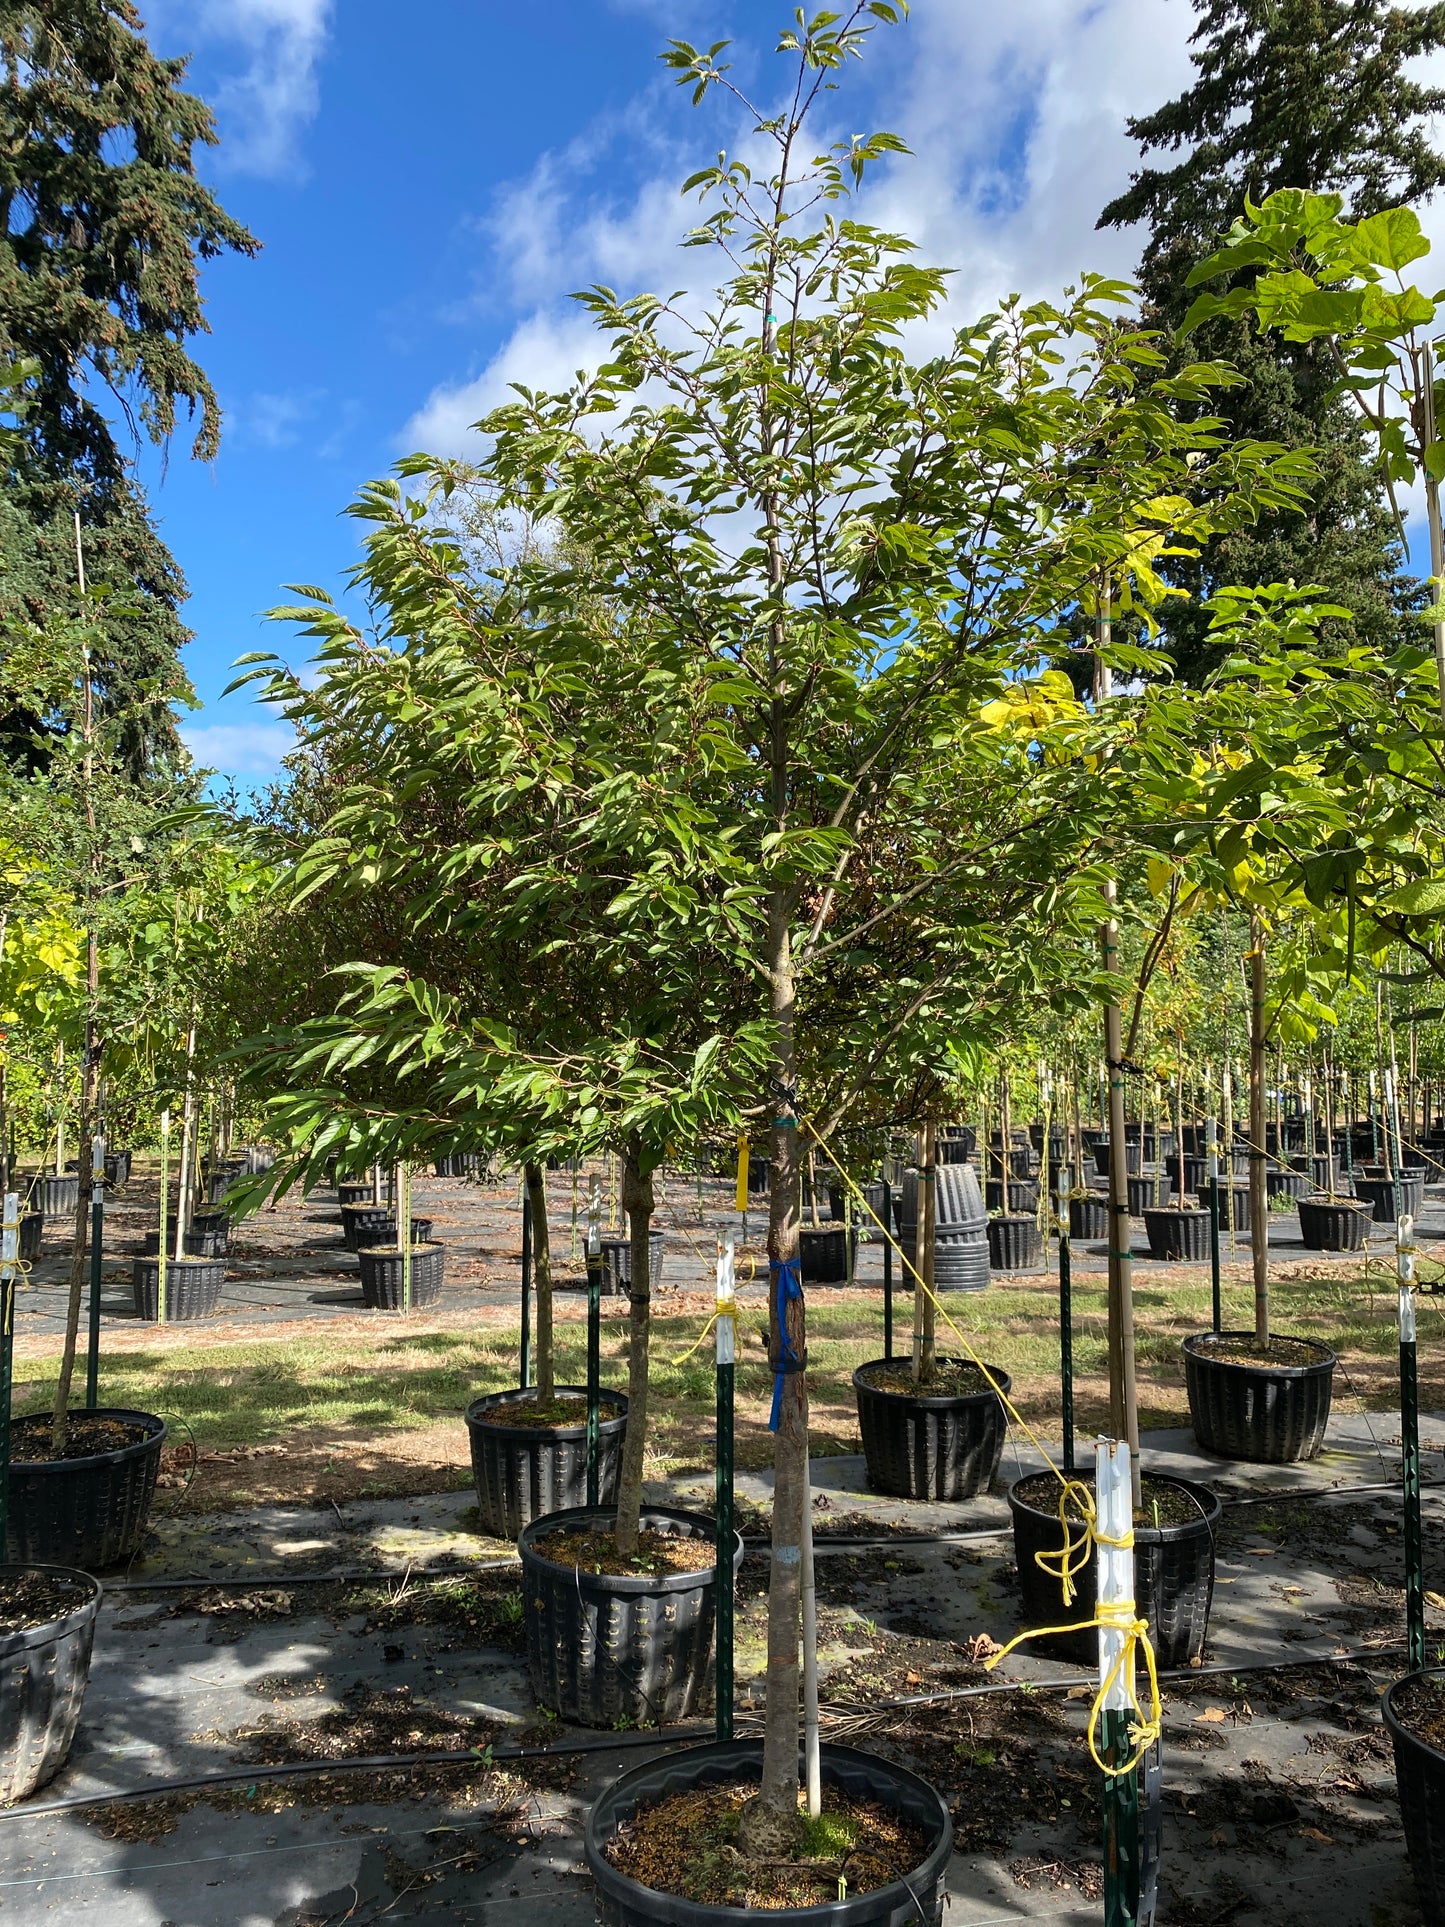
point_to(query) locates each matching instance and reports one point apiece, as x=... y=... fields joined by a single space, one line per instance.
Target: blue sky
x=429 y=182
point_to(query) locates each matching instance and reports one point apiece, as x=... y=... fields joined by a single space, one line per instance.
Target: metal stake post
x=1066 y=1342
x=887 y=1269
x=726 y=1354
x=97 y=1236
x=1212 y=1146
x=1122 y=1854
x=526 y=1284
x=594 y=1334
x=9 y=1260
x=1410 y=1464
x=403 y=1232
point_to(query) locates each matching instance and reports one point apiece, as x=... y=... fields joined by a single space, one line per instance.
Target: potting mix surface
x=1420 y=1706
x=32 y=1439
x=1162 y=1503
x=950 y=1378
x=37 y=1598
x=557 y=1412
x=687 y=1844
x=1272 y=1351
x=657 y=1553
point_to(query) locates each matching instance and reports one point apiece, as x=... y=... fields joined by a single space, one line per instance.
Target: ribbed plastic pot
x=207 y=1236
x=920 y=1446
x=1283 y=1183
x=1316 y=1169
x=1196 y=1171
x=759 y=1174
x=522 y=1471
x=955 y=1150
x=193 y=1288
x=1379 y=1193
x=1013 y=1244
x=32 y=1231
x=354 y=1191
x=1177 y=1234
x=1333 y=1224
x=915 y=1897
x=617 y=1263
x=1089 y=1217
x=824 y=1252
x=961 y=1258
x=117 y=1168
x=359 y=1219
x=1021 y=1162
x=1266 y=1414
x=88 y=1512
x=382 y=1280
x=607 y=1649
x=461 y=1164
x=1133 y=1158
x=1420 y=1778
x=59 y=1197
x=1173 y=1580
x=386 y=1233
x=1146 y=1193
x=44 y=1671
x=1021 y=1196
x=873 y=1196
x=1241 y=1206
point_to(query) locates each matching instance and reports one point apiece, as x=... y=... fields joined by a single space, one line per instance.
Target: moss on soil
x=558 y=1412
x=657 y=1553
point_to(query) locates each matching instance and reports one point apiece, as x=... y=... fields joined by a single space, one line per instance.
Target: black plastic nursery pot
x=354 y=1191
x=1133 y=1158
x=873 y=1197
x=44 y=1671
x=1334 y=1224
x=1268 y=1413
x=358 y=1221
x=1013 y=1243
x=1316 y=1169
x=611 y=1649
x=117 y=1168
x=1022 y=1196
x=1282 y=1182
x=88 y=1512
x=523 y=1471
x=921 y=1445
x=1379 y=1194
x=193 y=1288
x=32 y=1231
x=1173 y=1573
x=1420 y=1778
x=1177 y=1234
x=1089 y=1216
x=824 y=1253
x=916 y=1896
x=1196 y=1171
x=617 y=1263
x=382 y=1280
x=1241 y=1206
x=57 y=1197
x=1147 y=1193
x=385 y=1233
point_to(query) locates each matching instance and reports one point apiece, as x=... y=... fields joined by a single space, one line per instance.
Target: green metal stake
x=1410 y=1468
x=403 y=1231
x=97 y=1239
x=1212 y=1145
x=594 y=1337
x=1066 y=1342
x=726 y=1353
x=887 y=1269
x=527 y=1288
x=161 y=1244
x=9 y=1260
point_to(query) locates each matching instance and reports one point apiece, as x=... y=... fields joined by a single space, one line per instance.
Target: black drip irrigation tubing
x=824 y=1542
x=611 y=1742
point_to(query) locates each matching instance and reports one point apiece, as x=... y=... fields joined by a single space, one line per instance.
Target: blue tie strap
x=787 y=1290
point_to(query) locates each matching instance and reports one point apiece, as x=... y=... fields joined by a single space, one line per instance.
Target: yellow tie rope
x=1072 y=1556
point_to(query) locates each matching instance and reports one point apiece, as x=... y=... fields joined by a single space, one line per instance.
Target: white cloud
x=263 y=104
x=1015 y=115
x=239 y=749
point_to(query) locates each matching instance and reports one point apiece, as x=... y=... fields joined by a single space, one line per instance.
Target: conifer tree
x=103 y=224
x=1311 y=94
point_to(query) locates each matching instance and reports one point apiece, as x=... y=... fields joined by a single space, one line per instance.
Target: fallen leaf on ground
x=1313 y=1833
x=1211 y=1716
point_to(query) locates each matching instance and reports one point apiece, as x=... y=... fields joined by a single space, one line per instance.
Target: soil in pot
x=631 y=1646
x=1414 y=1710
x=87 y=1508
x=942 y=1440
x=47 y=1626
x=1174 y=1566
x=593 y=1551
x=687 y=1844
x=1266 y=1404
x=529 y=1458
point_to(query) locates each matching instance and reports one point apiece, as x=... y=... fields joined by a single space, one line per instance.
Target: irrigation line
x=609 y=1742
x=826 y=1543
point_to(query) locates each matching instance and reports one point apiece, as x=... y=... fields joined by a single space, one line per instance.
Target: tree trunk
x=925 y=1350
x=770 y=1823
x=536 y=1178
x=1258 y=1183
x=637 y=1202
x=60 y=1411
